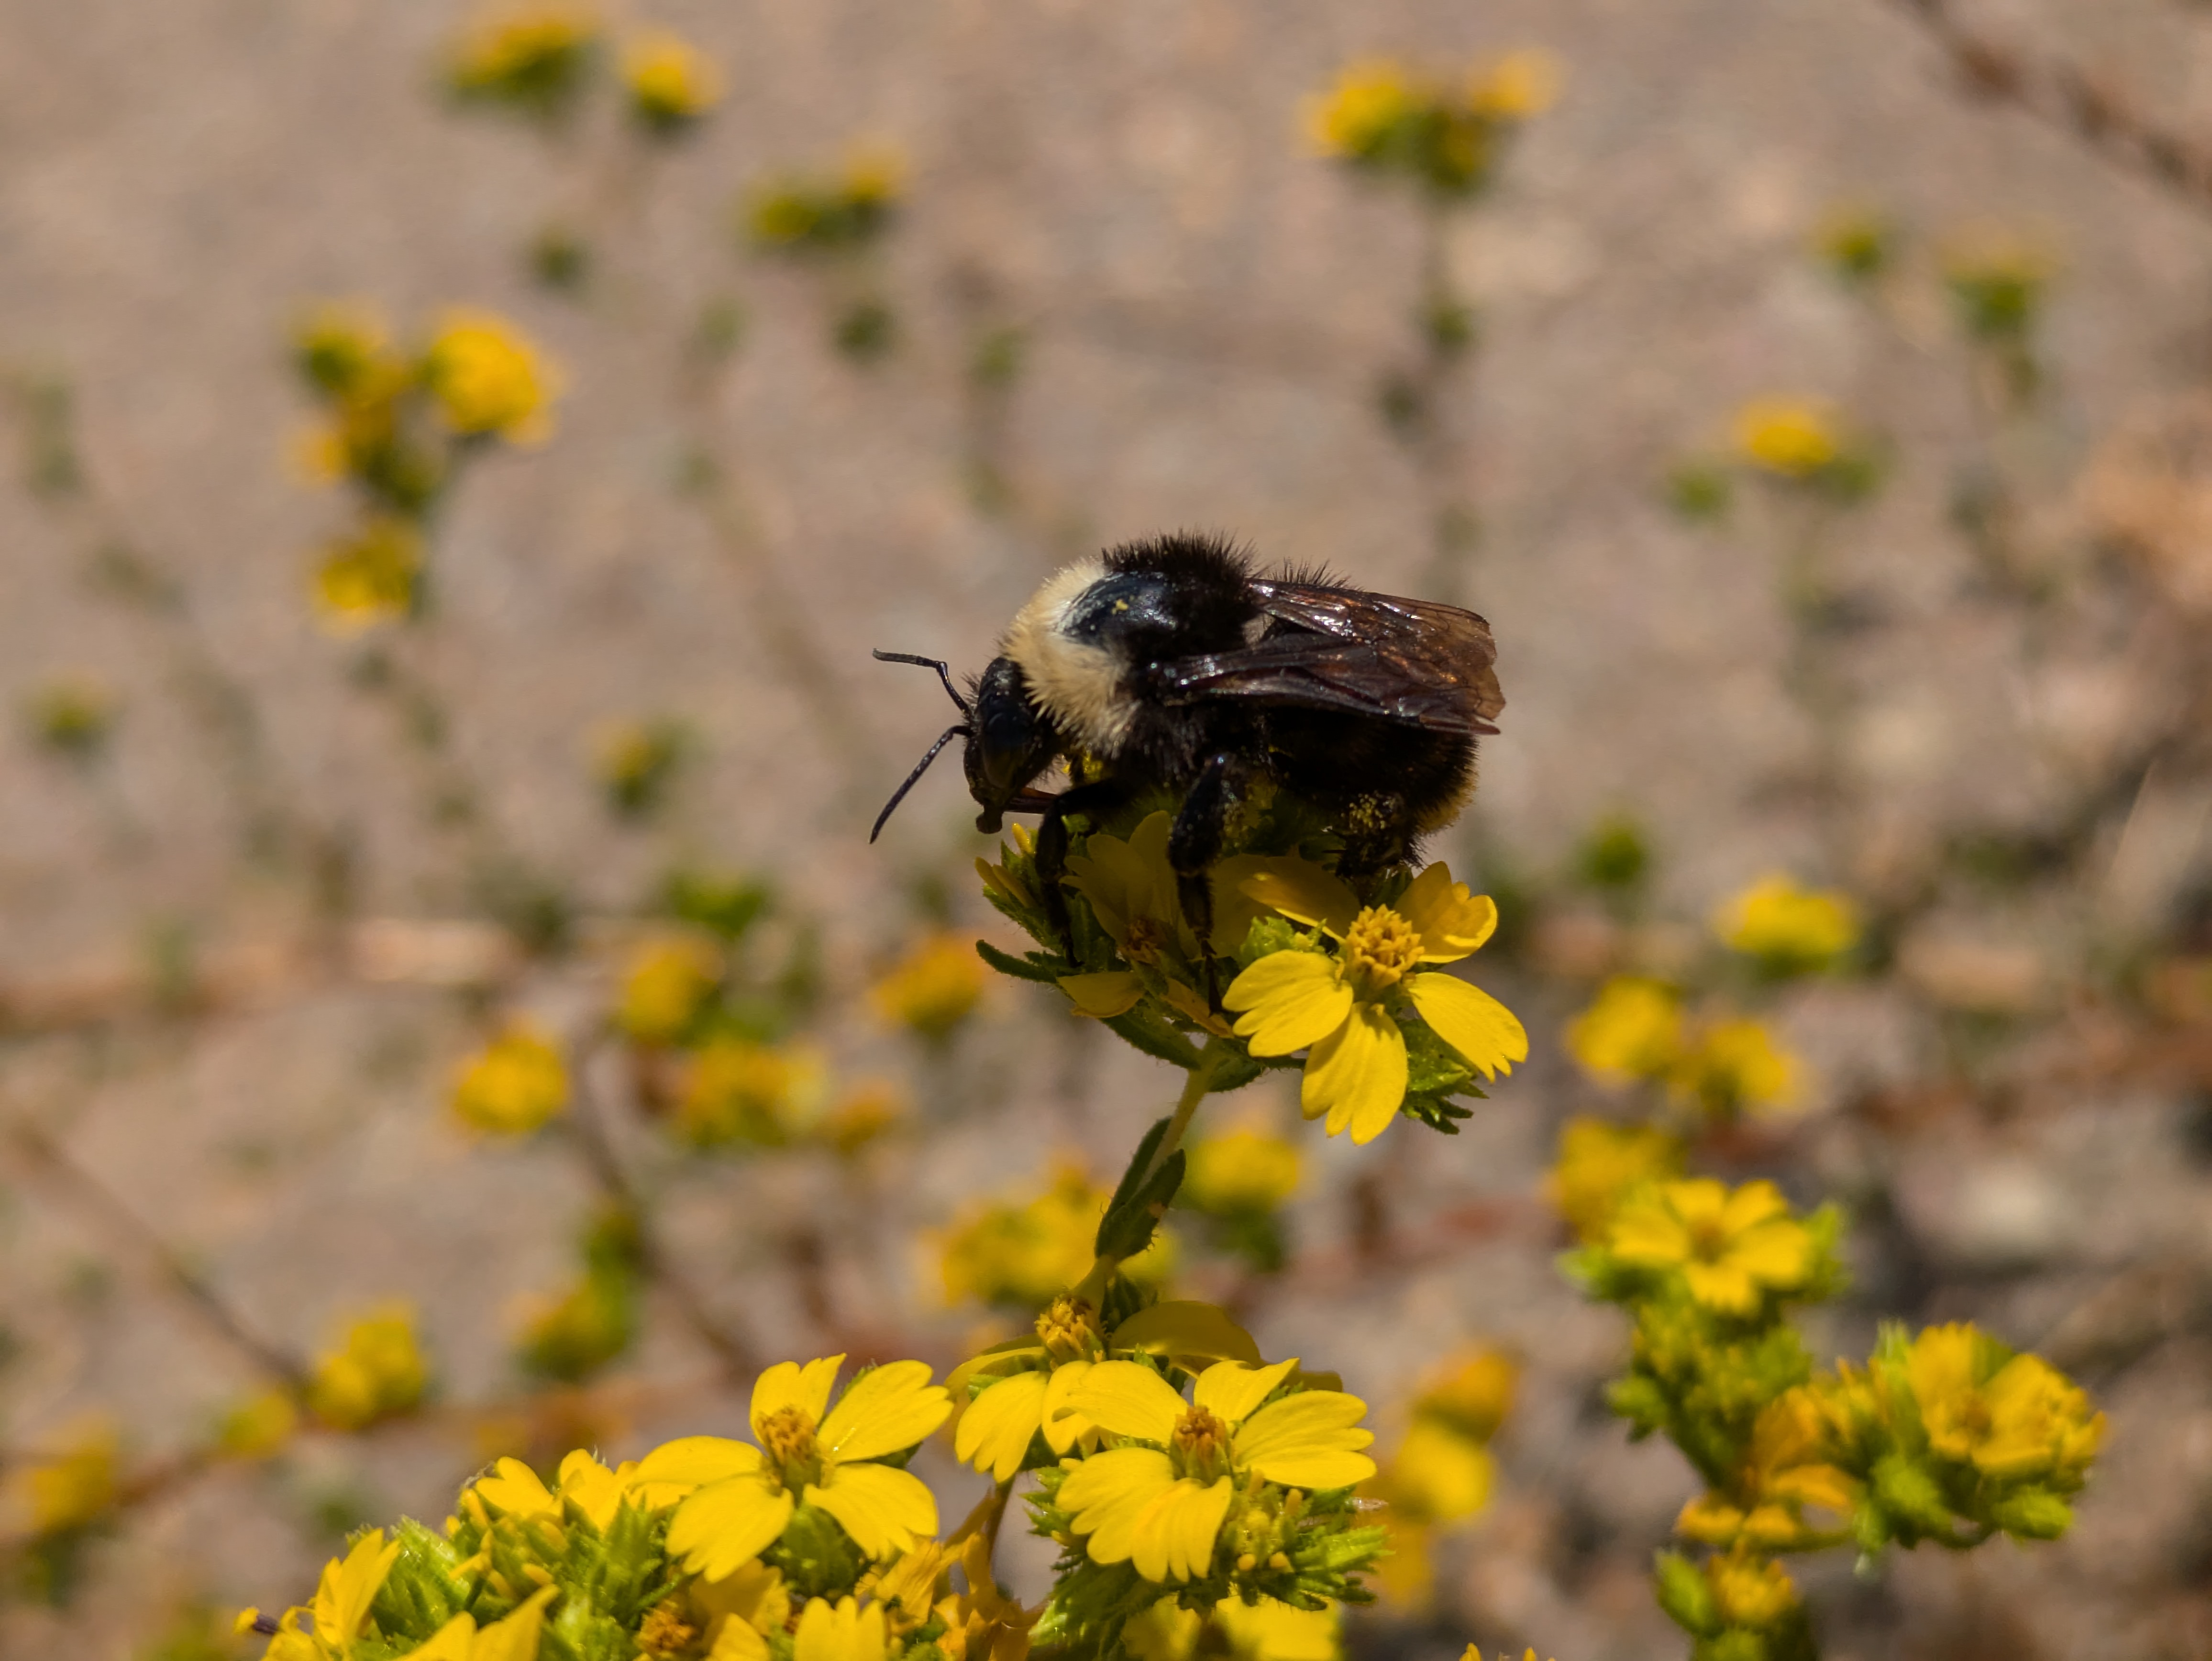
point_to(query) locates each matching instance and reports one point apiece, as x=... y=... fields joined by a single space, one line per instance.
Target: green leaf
x=2033 y=1514
x=1684 y=1596
x=1046 y=971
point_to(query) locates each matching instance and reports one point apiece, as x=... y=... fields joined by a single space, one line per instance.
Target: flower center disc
x=1200 y=1444
x=788 y=1436
x=1381 y=948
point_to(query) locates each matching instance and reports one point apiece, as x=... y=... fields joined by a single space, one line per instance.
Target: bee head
x=1010 y=742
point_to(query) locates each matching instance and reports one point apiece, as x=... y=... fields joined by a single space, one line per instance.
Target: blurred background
x=1813 y=396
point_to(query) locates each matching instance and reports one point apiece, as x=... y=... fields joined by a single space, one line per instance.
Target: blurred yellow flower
x=875 y=174
x=377 y=1370
x=636 y=761
x=1795 y=437
x=1634 y=1030
x=515 y=1636
x=672 y=83
x=1357 y=116
x=1600 y=1164
x=488 y=379
x=260 y=1427
x=1267 y=1630
x=1021 y=1253
x=1436 y=1476
x=344 y=350
x=1788 y=927
x=1469 y=1393
x=1997 y=280
x=668 y=984
x=533 y=57
x=72 y=715
x=737 y=1090
x=1734 y=1066
x=1785 y=1472
x=512 y=1086
x=76 y=1484
x=1339 y=1008
x=933 y=989
x=1731 y=1249
x=1239 y=1172
x=737 y=1497
x=1516 y=86
x=1750 y=1590
x=1855 y=241
x=370 y=576
x=2010 y=1417
x=863 y=1114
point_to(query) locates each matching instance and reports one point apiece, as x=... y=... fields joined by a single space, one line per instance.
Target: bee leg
x=1376 y=840
x=1101 y=797
x=1194 y=843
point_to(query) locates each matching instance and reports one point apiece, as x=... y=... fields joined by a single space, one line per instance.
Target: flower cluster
x=398 y=424
x=834 y=213
x=933 y=989
x=1018 y=1253
x=1947 y=1437
x=1445 y=136
x=1716 y=1066
x=1441 y=1471
x=375 y=1371
x=540 y=61
x=1237 y=1182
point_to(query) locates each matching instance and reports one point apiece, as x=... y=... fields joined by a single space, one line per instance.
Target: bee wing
x=1412 y=661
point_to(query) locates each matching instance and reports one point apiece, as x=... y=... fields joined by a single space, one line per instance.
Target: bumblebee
x=1172 y=665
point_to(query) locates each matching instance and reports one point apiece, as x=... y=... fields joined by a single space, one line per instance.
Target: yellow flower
x=1856 y=241
x=1022 y=1253
x=370 y=576
x=863 y=1114
x=74 y=1486
x=672 y=83
x=514 y=1637
x=994 y=1430
x=486 y=378
x=980 y=1623
x=736 y=1497
x=1633 y=1031
x=348 y=1588
x=1471 y=1653
x=1750 y=1590
x=1470 y=1393
x=734 y=1614
x=1437 y=1476
x=1731 y=1249
x=668 y=984
x=1337 y=1008
x=344 y=348
x=1268 y=1630
x=1734 y=1064
x=636 y=761
x=1600 y=1164
x=512 y=1086
x=2011 y=1418
x=1795 y=437
x=1789 y=927
x=1161 y=1506
x=1239 y=1172
x=514 y=1489
x=875 y=174
x=933 y=989
x=72 y=715
x=533 y=57
x=1785 y=1472
x=1517 y=86
x=376 y=1371
x=737 y=1091
x=1372 y=97
x=260 y=1427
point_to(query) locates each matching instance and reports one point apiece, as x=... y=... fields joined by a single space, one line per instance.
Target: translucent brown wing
x=1412 y=661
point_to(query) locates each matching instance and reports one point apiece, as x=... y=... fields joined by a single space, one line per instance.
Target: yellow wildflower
x=1789 y=927
x=75 y=1485
x=1519 y=85
x=734 y=1612
x=668 y=984
x=1997 y=280
x=533 y=57
x=488 y=379
x=1372 y=97
x=1734 y=1064
x=672 y=83
x=1856 y=241
x=1793 y=437
x=370 y=576
x=512 y=1086
x=1159 y=1504
x=1785 y=1472
x=1750 y=1590
x=875 y=174
x=933 y=989
x=2011 y=1418
x=982 y=1624
x=1022 y=1253
x=1239 y=1172
x=376 y=1371
x=736 y=1497
x=512 y=1489
x=344 y=348
x=636 y=761
x=1600 y=1164
x=514 y=1637
x=1268 y=1630
x=348 y=1587
x=1338 y=1007
x=260 y=1427
x=72 y=715
x=1633 y=1031
x=1731 y=1248
x=863 y=1114
x=1435 y=1475
x=1469 y=1393
x=737 y=1091
x=1471 y=1653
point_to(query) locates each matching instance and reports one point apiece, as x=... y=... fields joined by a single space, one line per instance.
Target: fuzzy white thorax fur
x=1078 y=685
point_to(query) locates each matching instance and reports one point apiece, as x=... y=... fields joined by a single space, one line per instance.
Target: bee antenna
x=943 y=674
x=920 y=767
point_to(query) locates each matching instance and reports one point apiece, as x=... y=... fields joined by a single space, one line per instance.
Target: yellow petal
x=1290 y=1000
x=893 y=1406
x=1109 y=1492
x=515 y=1636
x=1232 y=1391
x=1751 y=1205
x=883 y=1508
x=738 y=1641
x=1488 y=1035
x=1176 y=1533
x=725 y=1523
x=1063 y=1425
x=1185 y=1330
x=451 y=1642
x=1104 y=995
x=1727 y=1287
x=1356 y=1075
x=1124 y=1398
x=787 y=1384
x=847 y=1633
x=1451 y=920
x=514 y=1490
x=1305 y=894
x=996 y=1430
x=674 y=1469
x=1310 y=1440
x=348 y=1589
x=1776 y=1254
